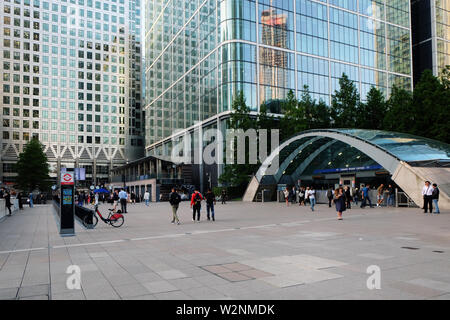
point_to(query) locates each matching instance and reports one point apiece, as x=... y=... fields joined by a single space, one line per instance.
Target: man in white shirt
x=312 y=197
x=146 y=197
x=427 y=192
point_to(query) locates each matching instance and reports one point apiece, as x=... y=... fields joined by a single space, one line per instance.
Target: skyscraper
x=71 y=76
x=430 y=35
x=199 y=54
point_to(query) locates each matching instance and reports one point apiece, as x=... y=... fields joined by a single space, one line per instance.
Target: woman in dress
x=339 y=201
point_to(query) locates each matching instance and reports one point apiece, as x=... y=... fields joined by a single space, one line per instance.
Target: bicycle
x=114 y=219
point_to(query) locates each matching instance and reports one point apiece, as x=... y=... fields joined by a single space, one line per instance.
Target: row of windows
x=53 y=137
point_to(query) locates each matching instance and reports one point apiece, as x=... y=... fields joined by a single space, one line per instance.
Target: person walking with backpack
x=196 y=204
x=435 y=198
x=224 y=196
x=210 y=202
x=174 y=200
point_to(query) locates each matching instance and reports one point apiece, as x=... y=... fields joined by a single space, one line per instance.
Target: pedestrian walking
x=123 y=197
x=133 y=197
x=8 y=204
x=348 y=197
x=147 y=197
x=174 y=200
x=210 y=202
x=301 y=196
x=30 y=199
x=365 y=196
x=115 y=199
x=435 y=198
x=356 y=196
x=196 y=204
x=380 y=196
x=292 y=195
x=286 y=196
x=19 y=198
x=339 y=201
x=390 y=195
x=330 y=196
x=427 y=193
x=224 y=196
x=312 y=197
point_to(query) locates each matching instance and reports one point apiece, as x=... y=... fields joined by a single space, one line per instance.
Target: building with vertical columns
x=430 y=35
x=200 y=53
x=71 y=76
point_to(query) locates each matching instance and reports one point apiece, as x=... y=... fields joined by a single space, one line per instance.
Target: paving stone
x=216 y=269
x=33 y=291
x=234 y=276
x=172 y=274
x=40 y=297
x=131 y=290
x=436 y=285
x=159 y=286
x=253 y=273
x=236 y=266
x=8 y=293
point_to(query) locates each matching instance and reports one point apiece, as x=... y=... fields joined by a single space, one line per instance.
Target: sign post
x=67 y=205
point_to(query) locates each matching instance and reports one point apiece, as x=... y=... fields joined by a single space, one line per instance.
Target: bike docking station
x=67 y=204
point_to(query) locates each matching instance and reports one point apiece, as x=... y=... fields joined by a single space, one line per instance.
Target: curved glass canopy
x=314 y=155
x=405 y=147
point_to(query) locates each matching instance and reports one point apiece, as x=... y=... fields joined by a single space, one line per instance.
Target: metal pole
x=396 y=197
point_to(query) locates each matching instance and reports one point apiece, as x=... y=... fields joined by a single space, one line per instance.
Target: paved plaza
x=252 y=251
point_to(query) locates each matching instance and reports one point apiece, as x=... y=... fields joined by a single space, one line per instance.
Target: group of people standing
x=430 y=195
x=196 y=204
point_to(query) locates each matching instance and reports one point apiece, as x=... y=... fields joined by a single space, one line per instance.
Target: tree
x=344 y=104
x=239 y=174
x=32 y=167
x=431 y=106
x=399 y=114
x=372 y=112
x=294 y=117
x=320 y=116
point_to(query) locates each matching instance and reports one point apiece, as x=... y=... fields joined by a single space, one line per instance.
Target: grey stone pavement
x=252 y=251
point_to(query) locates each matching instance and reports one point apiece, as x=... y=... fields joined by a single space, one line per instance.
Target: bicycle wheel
x=116 y=223
x=89 y=225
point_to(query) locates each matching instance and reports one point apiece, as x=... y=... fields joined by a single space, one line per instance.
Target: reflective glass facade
x=431 y=35
x=200 y=53
x=71 y=76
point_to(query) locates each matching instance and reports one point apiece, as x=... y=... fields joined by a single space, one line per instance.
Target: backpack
x=197 y=199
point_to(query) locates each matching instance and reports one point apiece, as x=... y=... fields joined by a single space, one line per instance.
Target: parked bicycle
x=114 y=219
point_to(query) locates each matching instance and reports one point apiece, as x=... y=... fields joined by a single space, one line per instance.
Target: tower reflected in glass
x=200 y=53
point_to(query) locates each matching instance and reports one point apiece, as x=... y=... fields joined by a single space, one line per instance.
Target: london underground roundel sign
x=67 y=178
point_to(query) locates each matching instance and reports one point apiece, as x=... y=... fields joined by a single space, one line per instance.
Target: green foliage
x=344 y=104
x=372 y=112
x=431 y=105
x=399 y=115
x=32 y=168
x=424 y=112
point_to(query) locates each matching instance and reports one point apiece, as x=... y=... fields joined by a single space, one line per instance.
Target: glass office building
x=431 y=35
x=199 y=54
x=71 y=76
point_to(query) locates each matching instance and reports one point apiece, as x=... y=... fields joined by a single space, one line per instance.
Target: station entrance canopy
x=409 y=159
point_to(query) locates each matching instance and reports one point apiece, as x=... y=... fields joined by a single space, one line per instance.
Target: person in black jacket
x=7 y=197
x=174 y=200
x=435 y=197
x=210 y=202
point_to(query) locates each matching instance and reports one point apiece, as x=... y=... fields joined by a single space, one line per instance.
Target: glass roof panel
x=404 y=146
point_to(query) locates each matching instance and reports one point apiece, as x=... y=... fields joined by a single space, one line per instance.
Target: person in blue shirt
x=123 y=197
x=365 y=196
